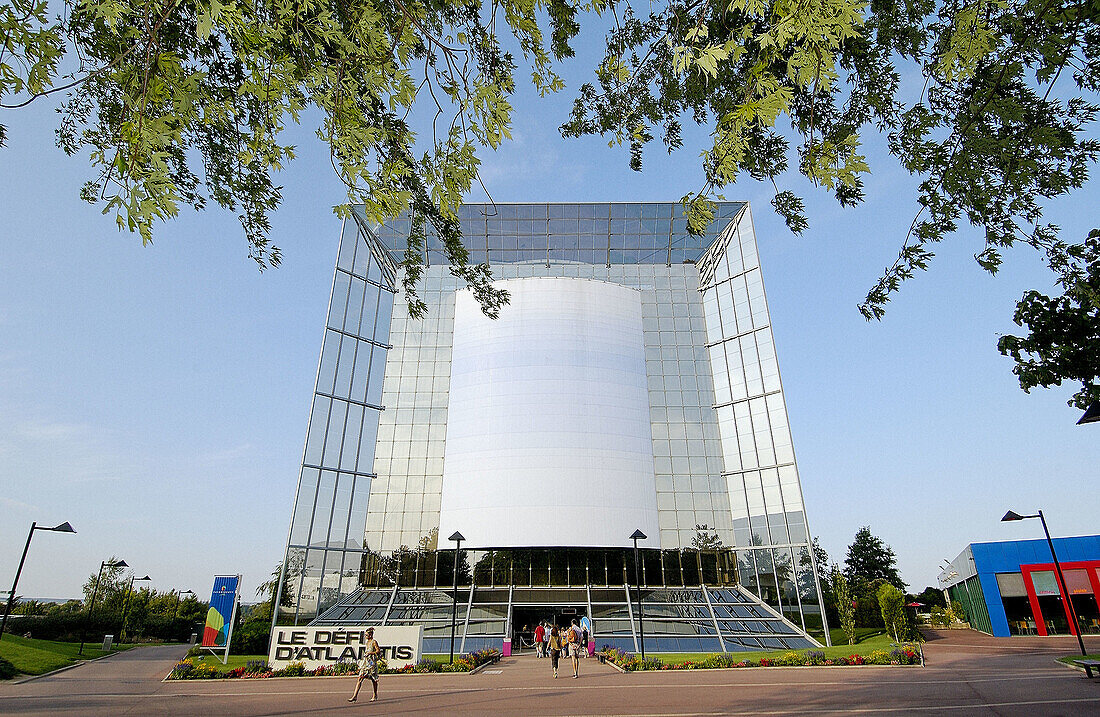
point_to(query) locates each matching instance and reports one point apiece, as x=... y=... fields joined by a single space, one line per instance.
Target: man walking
x=540 y=631
x=574 y=637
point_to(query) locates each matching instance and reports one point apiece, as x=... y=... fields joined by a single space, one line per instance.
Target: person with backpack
x=573 y=634
x=555 y=645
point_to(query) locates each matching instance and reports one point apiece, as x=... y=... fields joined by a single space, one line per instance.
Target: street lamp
x=458 y=538
x=176 y=612
x=95 y=591
x=1091 y=415
x=63 y=528
x=636 y=536
x=126 y=605
x=1074 y=625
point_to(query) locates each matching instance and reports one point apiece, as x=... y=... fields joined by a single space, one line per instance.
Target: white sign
x=319 y=646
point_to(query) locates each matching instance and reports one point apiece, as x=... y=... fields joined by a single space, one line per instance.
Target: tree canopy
x=987 y=102
x=870 y=559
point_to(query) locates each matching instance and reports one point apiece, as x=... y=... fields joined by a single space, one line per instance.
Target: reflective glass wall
x=724 y=463
x=775 y=559
x=325 y=547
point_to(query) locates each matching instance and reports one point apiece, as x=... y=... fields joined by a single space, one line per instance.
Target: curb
x=609 y=663
x=481 y=667
x=1071 y=665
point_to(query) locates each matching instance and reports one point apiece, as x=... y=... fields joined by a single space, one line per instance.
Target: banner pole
x=232 y=620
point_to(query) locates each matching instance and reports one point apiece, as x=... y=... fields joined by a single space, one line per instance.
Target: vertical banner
x=222 y=614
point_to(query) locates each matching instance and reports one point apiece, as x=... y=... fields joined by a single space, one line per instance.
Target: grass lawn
x=37 y=657
x=873 y=640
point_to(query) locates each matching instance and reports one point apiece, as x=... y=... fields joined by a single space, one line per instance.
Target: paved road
x=967 y=674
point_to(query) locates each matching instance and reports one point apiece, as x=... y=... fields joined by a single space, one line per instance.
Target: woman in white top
x=369 y=667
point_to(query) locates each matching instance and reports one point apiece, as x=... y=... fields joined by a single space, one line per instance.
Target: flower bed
x=903 y=654
x=189 y=669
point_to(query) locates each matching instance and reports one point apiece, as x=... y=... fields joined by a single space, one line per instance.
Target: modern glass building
x=631 y=383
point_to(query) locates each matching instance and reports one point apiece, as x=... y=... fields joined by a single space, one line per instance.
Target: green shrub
x=294 y=669
x=69 y=626
x=7 y=670
x=251 y=638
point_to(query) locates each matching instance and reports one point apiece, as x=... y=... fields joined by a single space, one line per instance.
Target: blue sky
x=157 y=397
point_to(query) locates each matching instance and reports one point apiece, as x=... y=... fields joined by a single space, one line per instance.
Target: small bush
x=251 y=638
x=815 y=657
x=900 y=654
x=7 y=670
x=294 y=669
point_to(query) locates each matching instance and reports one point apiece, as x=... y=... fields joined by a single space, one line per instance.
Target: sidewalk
x=966 y=674
x=530 y=670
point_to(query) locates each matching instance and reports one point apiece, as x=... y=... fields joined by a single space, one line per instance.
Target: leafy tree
x=29 y=607
x=892 y=603
x=869 y=559
x=269 y=587
x=931 y=596
x=1063 y=343
x=114 y=582
x=183 y=103
x=845 y=604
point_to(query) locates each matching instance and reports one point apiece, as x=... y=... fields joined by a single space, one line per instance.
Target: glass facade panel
x=728 y=498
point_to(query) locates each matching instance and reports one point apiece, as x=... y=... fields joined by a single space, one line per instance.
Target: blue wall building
x=1012 y=588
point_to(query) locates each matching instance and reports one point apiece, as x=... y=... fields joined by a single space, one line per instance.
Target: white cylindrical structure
x=548 y=429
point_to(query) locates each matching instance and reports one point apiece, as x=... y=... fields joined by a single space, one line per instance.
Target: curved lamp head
x=638 y=535
x=1010 y=516
x=63 y=528
x=1091 y=415
x=119 y=564
x=457 y=537
x=144 y=578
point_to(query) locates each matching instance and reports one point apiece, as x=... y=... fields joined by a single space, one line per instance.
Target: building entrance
x=525 y=618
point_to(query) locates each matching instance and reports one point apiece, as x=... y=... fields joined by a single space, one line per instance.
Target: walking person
x=574 y=637
x=584 y=642
x=369 y=668
x=555 y=645
x=540 y=632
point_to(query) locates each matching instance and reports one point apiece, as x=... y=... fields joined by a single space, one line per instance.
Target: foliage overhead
x=869 y=559
x=184 y=102
x=1063 y=343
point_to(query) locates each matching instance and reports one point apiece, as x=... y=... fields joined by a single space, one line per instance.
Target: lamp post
x=1091 y=414
x=176 y=612
x=636 y=536
x=1074 y=625
x=126 y=605
x=458 y=538
x=63 y=528
x=95 y=591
